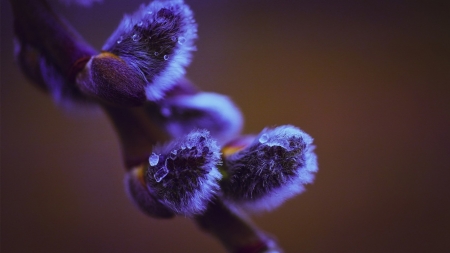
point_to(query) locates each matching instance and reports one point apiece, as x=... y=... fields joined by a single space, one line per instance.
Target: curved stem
x=35 y=23
x=137 y=132
x=237 y=234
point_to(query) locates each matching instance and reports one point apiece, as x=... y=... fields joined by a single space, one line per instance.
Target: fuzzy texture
x=156 y=41
x=183 y=175
x=205 y=110
x=273 y=168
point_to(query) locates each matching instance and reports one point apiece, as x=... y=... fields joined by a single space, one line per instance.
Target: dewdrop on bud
x=138 y=192
x=274 y=167
x=153 y=159
x=148 y=41
x=185 y=178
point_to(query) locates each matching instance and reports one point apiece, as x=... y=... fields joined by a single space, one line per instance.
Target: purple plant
x=183 y=174
x=275 y=166
x=156 y=42
x=182 y=148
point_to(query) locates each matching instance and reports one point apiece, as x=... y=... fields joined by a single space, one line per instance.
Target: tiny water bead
x=173 y=154
x=173 y=38
x=181 y=40
x=153 y=159
x=160 y=174
x=135 y=37
x=166 y=57
x=140 y=23
x=156 y=53
x=263 y=138
x=120 y=40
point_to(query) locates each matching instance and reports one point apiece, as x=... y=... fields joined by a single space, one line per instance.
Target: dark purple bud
x=183 y=174
x=273 y=168
x=156 y=42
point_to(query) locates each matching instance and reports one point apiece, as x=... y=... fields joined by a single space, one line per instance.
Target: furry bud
x=273 y=168
x=156 y=42
x=204 y=110
x=183 y=174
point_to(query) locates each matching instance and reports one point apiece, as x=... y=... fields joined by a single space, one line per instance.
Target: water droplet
x=120 y=40
x=173 y=154
x=181 y=40
x=173 y=38
x=153 y=159
x=149 y=12
x=264 y=138
x=140 y=23
x=135 y=37
x=160 y=174
x=166 y=57
x=156 y=53
x=169 y=164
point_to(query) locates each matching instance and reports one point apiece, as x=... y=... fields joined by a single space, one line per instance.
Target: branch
x=45 y=37
x=237 y=234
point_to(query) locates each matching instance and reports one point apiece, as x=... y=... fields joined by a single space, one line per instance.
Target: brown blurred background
x=369 y=80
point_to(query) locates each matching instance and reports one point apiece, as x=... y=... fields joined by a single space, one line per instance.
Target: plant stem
x=36 y=24
x=137 y=132
x=237 y=234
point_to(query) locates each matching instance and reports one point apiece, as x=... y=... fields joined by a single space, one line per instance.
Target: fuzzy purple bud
x=183 y=174
x=156 y=42
x=273 y=168
x=205 y=110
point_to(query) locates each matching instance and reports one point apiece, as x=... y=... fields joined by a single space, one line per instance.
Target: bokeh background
x=369 y=80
